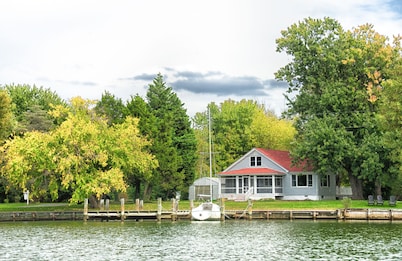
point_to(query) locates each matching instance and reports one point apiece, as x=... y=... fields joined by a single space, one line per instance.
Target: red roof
x=282 y=158
x=252 y=171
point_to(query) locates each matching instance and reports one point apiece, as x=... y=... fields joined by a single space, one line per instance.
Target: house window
x=302 y=180
x=325 y=181
x=255 y=161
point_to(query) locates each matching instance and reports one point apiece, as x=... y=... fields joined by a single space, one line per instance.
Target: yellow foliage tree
x=83 y=155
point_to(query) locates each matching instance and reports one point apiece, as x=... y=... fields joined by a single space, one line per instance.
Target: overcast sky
x=207 y=51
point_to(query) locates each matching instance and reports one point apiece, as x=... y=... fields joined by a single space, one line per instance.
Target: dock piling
x=122 y=214
x=86 y=209
x=137 y=204
x=250 y=209
x=159 y=211
x=107 y=204
x=222 y=204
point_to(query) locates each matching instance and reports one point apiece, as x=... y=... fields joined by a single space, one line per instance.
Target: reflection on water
x=230 y=240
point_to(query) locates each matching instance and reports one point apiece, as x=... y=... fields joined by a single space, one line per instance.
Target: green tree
x=31 y=105
x=173 y=142
x=337 y=76
x=112 y=108
x=391 y=122
x=6 y=115
x=238 y=127
x=37 y=119
x=138 y=108
x=271 y=132
x=231 y=126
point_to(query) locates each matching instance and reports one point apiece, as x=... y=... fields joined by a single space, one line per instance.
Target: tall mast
x=210 y=151
x=210 y=142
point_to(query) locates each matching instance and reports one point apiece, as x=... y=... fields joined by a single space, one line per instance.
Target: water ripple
x=230 y=240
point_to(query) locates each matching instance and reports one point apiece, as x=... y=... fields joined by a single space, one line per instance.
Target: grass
x=13 y=207
x=185 y=205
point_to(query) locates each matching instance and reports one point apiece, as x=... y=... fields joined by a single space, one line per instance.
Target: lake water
x=229 y=240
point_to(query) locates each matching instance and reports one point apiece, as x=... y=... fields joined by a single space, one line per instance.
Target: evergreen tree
x=173 y=141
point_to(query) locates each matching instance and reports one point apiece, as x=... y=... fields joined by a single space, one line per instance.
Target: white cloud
x=86 y=47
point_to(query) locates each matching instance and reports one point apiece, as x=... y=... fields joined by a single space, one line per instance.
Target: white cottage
x=270 y=174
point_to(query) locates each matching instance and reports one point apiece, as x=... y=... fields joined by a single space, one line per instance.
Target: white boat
x=208 y=210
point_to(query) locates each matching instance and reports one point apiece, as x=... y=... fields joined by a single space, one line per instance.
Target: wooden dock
x=174 y=214
x=185 y=215
x=40 y=215
x=339 y=214
x=138 y=215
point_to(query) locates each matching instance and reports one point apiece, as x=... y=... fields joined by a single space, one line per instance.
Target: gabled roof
x=283 y=159
x=252 y=171
x=280 y=158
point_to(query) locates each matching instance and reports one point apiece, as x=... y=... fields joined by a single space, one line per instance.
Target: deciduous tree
x=83 y=155
x=337 y=76
x=6 y=115
x=31 y=105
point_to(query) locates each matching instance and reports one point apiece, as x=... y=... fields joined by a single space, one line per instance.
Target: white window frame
x=326 y=181
x=295 y=180
x=255 y=161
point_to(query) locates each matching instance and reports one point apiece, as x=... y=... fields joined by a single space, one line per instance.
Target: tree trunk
x=93 y=202
x=357 y=186
x=137 y=188
x=147 y=191
x=378 y=190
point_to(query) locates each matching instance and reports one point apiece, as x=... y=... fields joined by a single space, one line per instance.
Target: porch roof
x=252 y=171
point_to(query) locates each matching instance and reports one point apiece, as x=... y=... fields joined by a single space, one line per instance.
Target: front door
x=244 y=184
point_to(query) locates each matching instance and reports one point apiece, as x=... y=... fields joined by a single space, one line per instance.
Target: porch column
x=237 y=185
x=273 y=185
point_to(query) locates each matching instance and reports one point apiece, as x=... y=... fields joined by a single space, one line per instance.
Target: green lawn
x=185 y=205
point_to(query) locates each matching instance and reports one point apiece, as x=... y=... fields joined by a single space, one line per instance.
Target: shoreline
x=183 y=215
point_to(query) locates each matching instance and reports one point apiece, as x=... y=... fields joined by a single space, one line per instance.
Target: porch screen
x=264 y=184
x=229 y=185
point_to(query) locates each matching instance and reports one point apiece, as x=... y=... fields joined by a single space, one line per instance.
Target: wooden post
x=159 y=213
x=107 y=204
x=222 y=204
x=191 y=208
x=250 y=209
x=141 y=204
x=174 y=208
x=101 y=204
x=122 y=214
x=137 y=204
x=338 y=214
x=86 y=209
